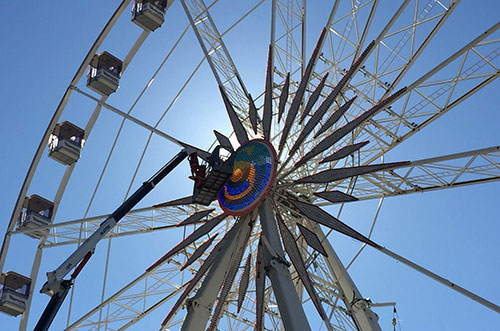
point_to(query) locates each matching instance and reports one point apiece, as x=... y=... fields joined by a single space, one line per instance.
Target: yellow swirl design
x=251 y=180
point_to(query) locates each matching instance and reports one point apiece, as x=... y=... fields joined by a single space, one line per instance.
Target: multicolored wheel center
x=253 y=174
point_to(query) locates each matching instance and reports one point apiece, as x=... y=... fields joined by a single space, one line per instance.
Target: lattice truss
x=359 y=66
x=157 y=287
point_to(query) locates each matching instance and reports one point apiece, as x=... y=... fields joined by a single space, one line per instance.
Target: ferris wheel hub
x=253 y=175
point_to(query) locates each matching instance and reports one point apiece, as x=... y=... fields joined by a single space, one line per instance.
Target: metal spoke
x=467 y=168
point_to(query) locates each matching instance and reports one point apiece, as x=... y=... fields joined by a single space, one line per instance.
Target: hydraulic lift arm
x=58 y=287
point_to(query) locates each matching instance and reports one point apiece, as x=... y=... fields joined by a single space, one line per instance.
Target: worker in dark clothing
x=214 y=160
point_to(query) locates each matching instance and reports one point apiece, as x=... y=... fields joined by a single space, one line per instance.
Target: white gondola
x=104 y=73
x=14 y=292
x=35 y=213
x=66 y=143
x=150 y=14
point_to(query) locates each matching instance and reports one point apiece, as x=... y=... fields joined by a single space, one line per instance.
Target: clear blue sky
x=452 y=232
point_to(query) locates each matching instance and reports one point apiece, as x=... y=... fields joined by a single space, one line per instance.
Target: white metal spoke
x=220 y=61
x=468 y=168
x=438 y=93
x=136 y=222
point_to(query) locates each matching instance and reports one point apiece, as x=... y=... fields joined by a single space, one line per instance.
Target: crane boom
x=58 y=287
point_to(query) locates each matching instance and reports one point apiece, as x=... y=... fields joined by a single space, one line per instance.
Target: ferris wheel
x=293 y=149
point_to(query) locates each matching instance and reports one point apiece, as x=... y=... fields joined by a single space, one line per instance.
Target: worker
x=214 y=160
x=198 y=172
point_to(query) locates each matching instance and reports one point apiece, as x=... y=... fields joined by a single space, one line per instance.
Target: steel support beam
x=358 y=307
x=199 y=307
x=290 y=306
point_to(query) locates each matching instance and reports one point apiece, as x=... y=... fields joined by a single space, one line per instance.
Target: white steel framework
x=349 y=27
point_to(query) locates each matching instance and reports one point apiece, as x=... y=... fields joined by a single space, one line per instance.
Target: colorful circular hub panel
x=253 y=174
